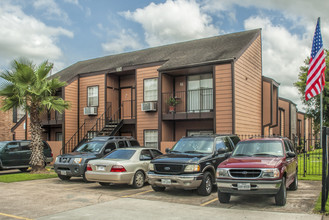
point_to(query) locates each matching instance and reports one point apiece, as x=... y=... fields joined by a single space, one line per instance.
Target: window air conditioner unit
x=90 y=111
x=149 y=106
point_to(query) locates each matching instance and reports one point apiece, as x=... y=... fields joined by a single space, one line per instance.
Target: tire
x=84 y=178
x=223 y=197
x=104 y=184
x=206 y=186
x=64 y=177
x=139 y=179
x=158 y=188
x=23 y=169
x=281 y=196
x=294 y=185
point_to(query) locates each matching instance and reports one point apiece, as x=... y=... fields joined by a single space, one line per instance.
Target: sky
x=67 y=31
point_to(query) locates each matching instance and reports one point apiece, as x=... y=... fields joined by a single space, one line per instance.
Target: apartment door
x=126 y=103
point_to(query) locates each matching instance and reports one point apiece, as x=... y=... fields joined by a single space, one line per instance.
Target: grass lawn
x=317 y=208
x=17 y=177
x=313 y=164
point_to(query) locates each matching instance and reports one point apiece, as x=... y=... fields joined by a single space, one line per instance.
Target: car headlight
x=192 y=168
x=77 y=160
x=151 y=167
x=270 y=173
x=221 y=172
x=57 y=159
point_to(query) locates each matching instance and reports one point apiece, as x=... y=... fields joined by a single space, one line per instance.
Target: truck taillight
x=118 y=168
x=89 y=167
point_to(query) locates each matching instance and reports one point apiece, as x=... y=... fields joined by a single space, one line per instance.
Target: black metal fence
x=325 y=176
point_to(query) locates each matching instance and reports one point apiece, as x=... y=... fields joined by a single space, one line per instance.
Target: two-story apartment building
x=216 y=84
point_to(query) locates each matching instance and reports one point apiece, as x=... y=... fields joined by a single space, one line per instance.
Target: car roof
x=212 y=135
x=266 y=138
x=106 y=138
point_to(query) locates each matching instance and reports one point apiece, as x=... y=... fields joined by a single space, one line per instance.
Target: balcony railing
x=189 y=102
x=51 y=118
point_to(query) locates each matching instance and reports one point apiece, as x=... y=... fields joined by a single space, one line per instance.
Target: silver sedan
x=122 y=166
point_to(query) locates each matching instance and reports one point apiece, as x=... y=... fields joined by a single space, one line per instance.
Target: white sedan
x=122 y=166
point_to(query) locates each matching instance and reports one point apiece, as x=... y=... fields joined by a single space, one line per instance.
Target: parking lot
x=42 y=198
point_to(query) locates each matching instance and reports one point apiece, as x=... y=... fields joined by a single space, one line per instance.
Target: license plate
x=63 y=173
x=243 y=186
x=100 y=168
x=166 y=181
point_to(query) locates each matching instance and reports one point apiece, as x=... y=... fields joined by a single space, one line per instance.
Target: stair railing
x=82 y=133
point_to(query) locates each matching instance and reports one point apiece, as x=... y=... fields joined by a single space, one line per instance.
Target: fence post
x=324 y=169
x=304 y=156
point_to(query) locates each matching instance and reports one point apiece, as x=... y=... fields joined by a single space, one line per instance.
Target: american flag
x=315 y=76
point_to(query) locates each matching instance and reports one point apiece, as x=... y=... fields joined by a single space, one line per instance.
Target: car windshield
x=2 y=144
x=194 y=145
x=120 y=154
x=259 y=148
x=93 y=146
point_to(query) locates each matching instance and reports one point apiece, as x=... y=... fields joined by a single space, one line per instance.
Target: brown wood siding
x=248 y=90
x=85 y=82
x=223 y=94
x=181 y=127
x=266 y=103
x=181 y=93
x=6 y=123
x=145 y=120
x=20 y=131
x=301 y=117
x=71 y=115
x=286 y=106
x=275 y=107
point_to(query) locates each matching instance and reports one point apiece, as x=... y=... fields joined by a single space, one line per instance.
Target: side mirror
x=106 y=151
x=227 y=155
x=220 y=151
x=291 y=154
x=167 y=150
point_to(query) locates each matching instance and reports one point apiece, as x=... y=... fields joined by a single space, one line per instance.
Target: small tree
x=313 y=104
x=31 y=89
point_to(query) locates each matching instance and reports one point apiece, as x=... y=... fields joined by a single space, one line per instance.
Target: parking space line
x=207 y=203
x=13 y=216
x=136 y=194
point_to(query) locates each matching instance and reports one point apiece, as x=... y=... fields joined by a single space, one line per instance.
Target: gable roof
x=213 y=49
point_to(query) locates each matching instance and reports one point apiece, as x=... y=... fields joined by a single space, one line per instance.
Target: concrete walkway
x=135 y=209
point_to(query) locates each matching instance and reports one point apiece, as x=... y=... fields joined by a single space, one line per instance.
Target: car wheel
x=84 y=178
x=281 y=196
x=158 y=188
x=104 y=184
x=64 y=177
x=139 y=179
x=206 y=185
x=294 y=185
x=223 y=197
x=23 y=169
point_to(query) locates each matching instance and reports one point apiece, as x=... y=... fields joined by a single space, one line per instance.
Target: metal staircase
x=104 y=126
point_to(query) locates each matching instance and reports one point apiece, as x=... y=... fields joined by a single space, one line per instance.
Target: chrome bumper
x=186 y=181
x=256 y=187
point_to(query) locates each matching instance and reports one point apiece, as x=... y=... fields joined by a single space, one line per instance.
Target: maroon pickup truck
x=259 y=166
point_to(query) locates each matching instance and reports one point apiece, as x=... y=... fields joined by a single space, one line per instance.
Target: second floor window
x=150 y=90
x=93 y=96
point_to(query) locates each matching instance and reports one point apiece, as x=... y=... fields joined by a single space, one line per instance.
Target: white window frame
x=151 y=138
x=92 y=95
x=150 y=93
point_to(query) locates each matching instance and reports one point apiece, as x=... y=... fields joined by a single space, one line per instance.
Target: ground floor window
x=151 y=138
x=198 y=132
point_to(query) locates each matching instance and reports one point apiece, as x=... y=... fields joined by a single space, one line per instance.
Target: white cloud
x=51 y=10
x=173 y=21
x=123 y=41
x=75 y=2
x=24 y=36
x=283 y=54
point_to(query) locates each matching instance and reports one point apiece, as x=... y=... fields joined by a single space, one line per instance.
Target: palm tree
x=30 y=88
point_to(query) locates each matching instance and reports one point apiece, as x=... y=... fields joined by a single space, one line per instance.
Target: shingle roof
x=176 y=55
